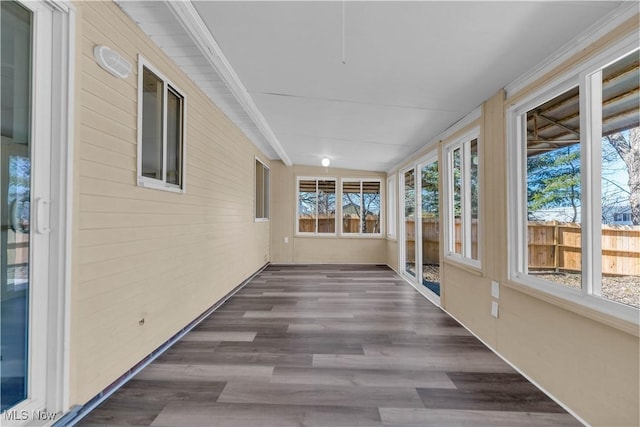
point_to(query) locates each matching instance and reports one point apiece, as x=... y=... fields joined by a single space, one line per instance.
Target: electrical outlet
x=494 y=309
x=495 y=289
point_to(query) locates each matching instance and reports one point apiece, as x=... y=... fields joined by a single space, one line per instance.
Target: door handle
x=43 y=214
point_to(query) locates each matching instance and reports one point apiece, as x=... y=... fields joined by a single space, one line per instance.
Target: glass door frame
x=428 y=159
x=402 y=234
x=52 y=82
x=416 y=281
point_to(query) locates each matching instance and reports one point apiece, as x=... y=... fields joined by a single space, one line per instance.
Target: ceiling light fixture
x=326 y=162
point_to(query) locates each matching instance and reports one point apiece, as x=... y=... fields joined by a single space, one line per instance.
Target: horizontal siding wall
x=587 y=360
x=141 y=253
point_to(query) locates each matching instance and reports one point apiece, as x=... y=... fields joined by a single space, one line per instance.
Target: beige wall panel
x=99 y=154
x=106 y=125
x=282 y=212
x=141 y=253
x=320 y=250
x=588 y=366
x=124 y=117
x=392 y=254
x=469 y=301
x=107 y=142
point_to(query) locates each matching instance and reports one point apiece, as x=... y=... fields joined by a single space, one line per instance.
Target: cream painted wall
x=320 y=249
x=392 y=254
x=141 y=253
x=585 y=359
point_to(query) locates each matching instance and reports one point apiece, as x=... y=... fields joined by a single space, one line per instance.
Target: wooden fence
x=558 y=246
x=431 y=239
x=349 y=224
x=553 y=246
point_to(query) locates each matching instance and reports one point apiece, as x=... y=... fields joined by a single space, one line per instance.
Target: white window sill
x=472 y=266
x=362 y=235
x=577 y=301
x=158 y=185
x=261 y=220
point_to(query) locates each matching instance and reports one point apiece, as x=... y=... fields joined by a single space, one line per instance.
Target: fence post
x=556 y=247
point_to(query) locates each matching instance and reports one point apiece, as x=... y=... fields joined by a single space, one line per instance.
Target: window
x=160 y=131
x=361 y=207
x=575 y=181
x=462 y=200
x=262 y=191
x=553 y=189
x=316 y=206
x=391 y=206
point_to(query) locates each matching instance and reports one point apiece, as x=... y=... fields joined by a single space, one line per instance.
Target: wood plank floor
x=328 y=345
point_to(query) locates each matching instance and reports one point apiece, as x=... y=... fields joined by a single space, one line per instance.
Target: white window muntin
x=587 y=76
x=382 y=200
x=297 y=207
x=266 y=192
x=168 y=86
x=464 y=144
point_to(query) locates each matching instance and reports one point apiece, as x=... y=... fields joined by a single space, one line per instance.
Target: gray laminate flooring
x=328 y=345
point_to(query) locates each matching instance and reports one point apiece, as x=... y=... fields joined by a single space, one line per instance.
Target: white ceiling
x=412 y=68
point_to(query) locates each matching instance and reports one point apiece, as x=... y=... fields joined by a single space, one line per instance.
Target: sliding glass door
x=429 y=230
x=26 y=282
x=409 y=226
x=420 y=238
x=15 y=201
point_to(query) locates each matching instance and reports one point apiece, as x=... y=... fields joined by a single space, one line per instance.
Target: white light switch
x=286 y=240
x=494 y=309
x=495 y=289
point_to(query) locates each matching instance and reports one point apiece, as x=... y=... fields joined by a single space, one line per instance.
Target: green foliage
x=553 y=180
x=430 y=193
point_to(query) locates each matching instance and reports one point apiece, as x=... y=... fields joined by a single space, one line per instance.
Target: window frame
x=266 y=192
x=297 y=207
x=381 y=219
x=585 y=76
x=391 y=204
x=168 y=86
x=402 y=231
x=464 y=144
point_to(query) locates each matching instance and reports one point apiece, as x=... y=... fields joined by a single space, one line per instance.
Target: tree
x=627 y=145
x=553 y=180
x=430 y=190
x=368 y=206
